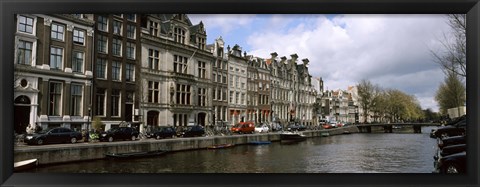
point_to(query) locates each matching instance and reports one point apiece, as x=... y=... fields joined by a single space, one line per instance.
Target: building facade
x=53 y=71
x=237 y=72
x=220 y=83
x=116 y=69
x=176 y=71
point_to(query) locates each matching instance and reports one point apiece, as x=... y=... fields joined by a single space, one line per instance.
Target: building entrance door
x=21 y=114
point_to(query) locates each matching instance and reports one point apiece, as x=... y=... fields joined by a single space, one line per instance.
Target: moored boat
x=259 y=142
x=220 y=146
x=136 y=154
x=289 y=137
x=325 y=134
x=25 y=165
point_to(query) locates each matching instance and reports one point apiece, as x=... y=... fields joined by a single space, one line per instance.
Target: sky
x=392 y=51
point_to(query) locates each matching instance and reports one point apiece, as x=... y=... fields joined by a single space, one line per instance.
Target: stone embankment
x=63 y=153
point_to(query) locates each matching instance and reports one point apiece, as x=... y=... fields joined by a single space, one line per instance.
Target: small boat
x=289 y=137
x=220 y=146
x=136 y=154
x=325 y=134
x=259 y=142
x=25 y=165
x=347 y=132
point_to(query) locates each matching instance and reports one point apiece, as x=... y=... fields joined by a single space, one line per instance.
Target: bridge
x=388 y=127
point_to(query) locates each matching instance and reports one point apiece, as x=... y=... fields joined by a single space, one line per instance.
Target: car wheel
x=39 y=142
x=134 y=138
x=73 y=140
x=158 y=137
x=451 y=168
x=110 y=139
x=173 y=135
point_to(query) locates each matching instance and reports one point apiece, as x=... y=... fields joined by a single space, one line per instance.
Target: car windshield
x=44 y=131
x=112 y=130
x=238 y=125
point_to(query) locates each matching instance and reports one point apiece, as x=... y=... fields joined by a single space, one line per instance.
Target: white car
x=262 y=128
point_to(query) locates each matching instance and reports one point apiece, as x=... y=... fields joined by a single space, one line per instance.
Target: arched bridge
x=388 y=127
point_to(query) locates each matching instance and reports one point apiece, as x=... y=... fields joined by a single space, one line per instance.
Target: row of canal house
x=152 y=69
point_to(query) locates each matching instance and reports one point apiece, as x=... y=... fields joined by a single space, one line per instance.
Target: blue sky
x=390 y=50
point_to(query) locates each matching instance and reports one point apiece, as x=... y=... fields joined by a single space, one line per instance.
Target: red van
x=243 y=127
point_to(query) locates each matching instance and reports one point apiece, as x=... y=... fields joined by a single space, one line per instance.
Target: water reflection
x=354 y=153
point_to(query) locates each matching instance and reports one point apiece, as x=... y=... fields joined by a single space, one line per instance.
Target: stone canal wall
x=63 y=153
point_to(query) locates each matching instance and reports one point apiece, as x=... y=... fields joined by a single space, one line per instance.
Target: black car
x=452 y=130
x=455 y=163
x=451 y=141
x=452 y=149
x=54 y=135
x=163 y=132
x=296 y=127
x=120 y=133
x=191 y=131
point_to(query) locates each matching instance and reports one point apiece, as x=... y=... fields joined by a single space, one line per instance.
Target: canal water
x=398 y=152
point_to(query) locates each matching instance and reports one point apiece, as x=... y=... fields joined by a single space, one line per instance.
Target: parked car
x=296 y=127
x=340 y=124
x=327 y=126
x=333 y=124
x=119 y=133
x=54 y=135
x=452 y=149
x=262 y=128
x=451 y=141
x=243 y=127
x=451 y=130
x=191 y=131
x=163 y=132
x=454 y=163
x=276 y=127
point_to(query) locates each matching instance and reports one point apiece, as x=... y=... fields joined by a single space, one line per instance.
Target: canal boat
x=220 y=146
x=259 y=142
x=135 y=154
x=290 y=137
x=25 y=165
x=325 y=134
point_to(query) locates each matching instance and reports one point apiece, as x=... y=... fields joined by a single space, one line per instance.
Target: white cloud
x=389 y=49
x=225 y=22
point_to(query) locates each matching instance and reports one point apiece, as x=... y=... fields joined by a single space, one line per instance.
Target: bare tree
x=367 y=93
x=453 y=56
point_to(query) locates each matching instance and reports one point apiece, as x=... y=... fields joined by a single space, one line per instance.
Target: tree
x=453 y=57
x=367 y=93
x=451 y=94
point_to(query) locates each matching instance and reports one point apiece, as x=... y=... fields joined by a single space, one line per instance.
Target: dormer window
x=201 y=43
x=179 y=35
x=154 y=28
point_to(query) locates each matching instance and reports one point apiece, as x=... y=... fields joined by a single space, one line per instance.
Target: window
x=55 y=98
x=130 y=50
x=219 y=78
x=214 y=76
x=153 y=92
x=202 y=96
x=115 y=107
x=117 y=27
x=243 y=85
x=202 y=70
x=237 y=82
x=231 y=96
x=25 y=24
x=130 y=72
x=154 y=28
x=237 y=97
x=77 y=62
x=243 y=99
x=224 y=79
x=56 y=56
x=183 y=94
x=78 y=36
x=101 y=68
x=130 y=17
x=152 y=59
x=201 y=43
x=102 y=43
x=76 y=100
x=179 y=64
x=24 y=52
x=131 y=31
x=116 y=69
x=225 y=95
x=57 y=31
x=219 y=95
x=231 y=80
x=117 y=47
x=214 y=94
x=179 y=35
x=102 y=23
x=100 y=102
